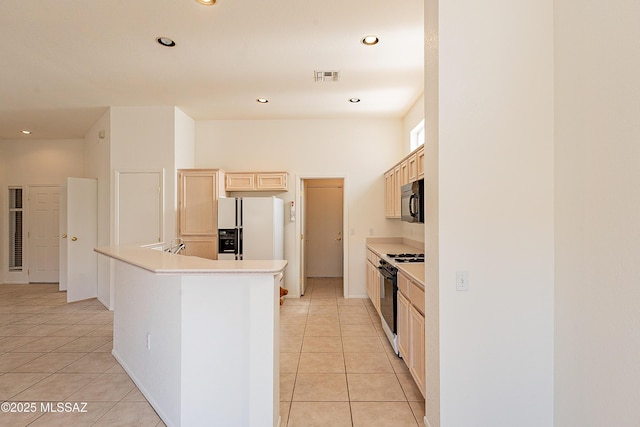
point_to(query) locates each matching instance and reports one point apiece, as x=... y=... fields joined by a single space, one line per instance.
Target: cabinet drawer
x=416 y=295
x=373 y=258
x=403 y=284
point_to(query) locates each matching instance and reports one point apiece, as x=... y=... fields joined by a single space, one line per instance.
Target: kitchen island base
x=202 y=347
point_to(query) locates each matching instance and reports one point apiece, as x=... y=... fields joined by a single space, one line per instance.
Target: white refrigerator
x=250 y=228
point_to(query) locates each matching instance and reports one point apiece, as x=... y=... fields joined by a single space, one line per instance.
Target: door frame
x=299 y=227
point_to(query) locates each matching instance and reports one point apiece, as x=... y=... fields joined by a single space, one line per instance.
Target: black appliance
x=389 y=301
x=412 y=202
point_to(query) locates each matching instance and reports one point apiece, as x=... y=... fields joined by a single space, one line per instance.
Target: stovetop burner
x=406 y=257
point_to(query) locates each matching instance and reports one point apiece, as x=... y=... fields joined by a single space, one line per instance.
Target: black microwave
x=412 y=202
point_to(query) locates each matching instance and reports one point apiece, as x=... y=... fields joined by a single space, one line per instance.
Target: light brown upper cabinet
x=389 y=194
x=404 y=172
x=420 y=160
x=235 y=181
x=397 y=183
x=198 y=193
x=256 y=181
x=410 y=169
x=413 y=167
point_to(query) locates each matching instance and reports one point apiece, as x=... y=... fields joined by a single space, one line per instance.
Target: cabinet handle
x=64 y=236
x=74 y=238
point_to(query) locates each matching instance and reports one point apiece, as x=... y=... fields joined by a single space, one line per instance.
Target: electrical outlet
x=462 y=280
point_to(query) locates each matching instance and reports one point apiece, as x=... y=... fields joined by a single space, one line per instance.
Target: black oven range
x=389 y=292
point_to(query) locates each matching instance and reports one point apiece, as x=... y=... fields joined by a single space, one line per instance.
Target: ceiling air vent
x=326 y=76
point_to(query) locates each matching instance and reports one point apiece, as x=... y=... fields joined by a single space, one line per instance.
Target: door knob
x=64 y=236
x=74 y=238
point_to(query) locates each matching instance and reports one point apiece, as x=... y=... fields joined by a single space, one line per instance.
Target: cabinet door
x=404 y=172
x=198 y=211
x=376 y=288
x=413 y=167
x=239 y=181
x=373 y=285
x=368 y=279
x=397 y=183
x=388 y=194
x=271 y=181
x=420 y=160
x=201 y=246
x=417 y=361
x=404 y=336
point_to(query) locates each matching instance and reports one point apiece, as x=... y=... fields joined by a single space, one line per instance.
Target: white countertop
x=383 y=246
x=161 y=262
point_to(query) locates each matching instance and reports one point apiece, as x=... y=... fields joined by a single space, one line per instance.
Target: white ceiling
x=63 y=62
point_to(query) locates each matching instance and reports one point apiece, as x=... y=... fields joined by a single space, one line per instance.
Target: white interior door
x=82 y=238
x=44 y=244
x=62 y=280
x=323 y=235
x=139 y=207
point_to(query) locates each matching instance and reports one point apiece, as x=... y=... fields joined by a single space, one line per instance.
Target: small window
x=417 y=135
x=15 y=228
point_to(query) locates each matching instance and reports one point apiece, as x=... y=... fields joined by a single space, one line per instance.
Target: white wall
x=98 y=165
x=597 y=138
x=495 y=211
x=32 y=162
x=143 y=138
x=359 y=150
x=432 y=219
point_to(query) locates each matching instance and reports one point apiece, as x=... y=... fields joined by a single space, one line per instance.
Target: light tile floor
x=336 y=365
x=51 y=352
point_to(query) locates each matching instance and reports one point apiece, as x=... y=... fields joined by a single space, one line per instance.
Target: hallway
x=337 y=367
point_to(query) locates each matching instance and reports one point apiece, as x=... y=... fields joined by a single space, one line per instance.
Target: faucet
x=176 y=246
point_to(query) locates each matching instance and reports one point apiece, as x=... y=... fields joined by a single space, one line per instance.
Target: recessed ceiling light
x=369 y=40
x=262 y=100
x=166 y=41
x=354 y=100
x=207 y=2
x=26 y=132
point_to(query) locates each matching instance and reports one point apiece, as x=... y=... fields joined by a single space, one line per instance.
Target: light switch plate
x=462 y=280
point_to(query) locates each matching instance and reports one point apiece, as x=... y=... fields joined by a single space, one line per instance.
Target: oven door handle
x=386 y=273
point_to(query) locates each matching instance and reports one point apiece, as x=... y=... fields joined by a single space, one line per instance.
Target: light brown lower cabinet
x=403 y=327
x=373 y=285
x=201 y=246
x=373 y=279
x=416 y=343
x=411 y=328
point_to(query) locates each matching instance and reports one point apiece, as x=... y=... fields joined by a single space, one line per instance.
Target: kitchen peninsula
x=199 y=337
